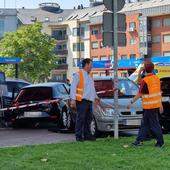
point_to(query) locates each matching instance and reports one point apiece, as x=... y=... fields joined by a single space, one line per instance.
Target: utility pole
x=115 y=52
x=114 y=36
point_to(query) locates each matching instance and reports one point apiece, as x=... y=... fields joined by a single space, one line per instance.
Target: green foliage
x=34 y=48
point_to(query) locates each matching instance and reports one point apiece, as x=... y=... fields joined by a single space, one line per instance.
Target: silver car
x=103 y=119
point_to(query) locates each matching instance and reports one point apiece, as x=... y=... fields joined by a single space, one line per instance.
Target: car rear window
x=165 y=86
x=34 y=94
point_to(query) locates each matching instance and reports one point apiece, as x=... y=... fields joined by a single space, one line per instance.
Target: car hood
x=122 y=104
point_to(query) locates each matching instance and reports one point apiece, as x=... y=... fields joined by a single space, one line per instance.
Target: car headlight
x=108 y=112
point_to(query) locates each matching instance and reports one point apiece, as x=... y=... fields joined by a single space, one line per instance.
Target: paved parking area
x=16 y=137
x=13 y=137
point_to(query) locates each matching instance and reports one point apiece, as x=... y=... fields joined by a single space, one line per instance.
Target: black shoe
x=137 y=143
x=79 y=139
x=90 y=138
x=159 y=145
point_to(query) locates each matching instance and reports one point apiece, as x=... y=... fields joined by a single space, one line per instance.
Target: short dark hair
x=86 y=61
x=149 y=67
x=147 y=57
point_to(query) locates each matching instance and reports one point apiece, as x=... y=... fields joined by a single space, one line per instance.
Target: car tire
x=65 y=119
x=93 y=128
x=166 y=126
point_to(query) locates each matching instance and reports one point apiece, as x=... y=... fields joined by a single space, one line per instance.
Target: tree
x=36 y=50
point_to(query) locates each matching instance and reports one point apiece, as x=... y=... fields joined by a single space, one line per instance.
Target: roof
x=138 y=6
x=85 y=13
x=50 y=84
x=17 y=80
x=29 y=16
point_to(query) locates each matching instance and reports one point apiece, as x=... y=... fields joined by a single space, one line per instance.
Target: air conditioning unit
x=131 y=29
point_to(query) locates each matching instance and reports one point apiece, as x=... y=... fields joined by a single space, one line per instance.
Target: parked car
x=165 y=116
x=15 y=84
x=103 y=119
x=56 y=113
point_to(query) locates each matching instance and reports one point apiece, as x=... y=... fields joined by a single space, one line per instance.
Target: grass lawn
x=104 y=154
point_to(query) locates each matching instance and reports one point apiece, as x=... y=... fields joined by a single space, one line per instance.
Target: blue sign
x=10 y=60
x=129 y=63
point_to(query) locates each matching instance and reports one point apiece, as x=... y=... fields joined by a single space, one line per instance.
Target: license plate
x=32 y=114
x=133 y=122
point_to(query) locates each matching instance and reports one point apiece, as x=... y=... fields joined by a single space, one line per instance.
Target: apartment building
x=8 y=21
x=148 y=26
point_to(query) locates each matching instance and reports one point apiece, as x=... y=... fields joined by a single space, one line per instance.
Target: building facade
x=8 y=21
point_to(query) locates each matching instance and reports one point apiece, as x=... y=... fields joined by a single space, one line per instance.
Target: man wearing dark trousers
x=150 y=92
x=82 y=95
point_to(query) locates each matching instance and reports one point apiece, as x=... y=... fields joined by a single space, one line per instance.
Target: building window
x=47 y=19
x=79 y=31
x=166 y=22
x=62 y=60
x=103 y=57
x=132 y=41
x=82 y=31
x=132 y=26
x=95 y=31
x=167 y=38
x=95 y=58
x=156 y=39
x=78 y=46
x=101 y=44
x=76 y=32
x=76 y=62
x=167 y=53
x=95 y=45
x=123 y=57
x=132 y=56
x=60 y=19
x=156 y=23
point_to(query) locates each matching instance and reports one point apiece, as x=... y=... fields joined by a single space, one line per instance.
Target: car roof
x=17 y=80
x=108 y=78
x=49 y=84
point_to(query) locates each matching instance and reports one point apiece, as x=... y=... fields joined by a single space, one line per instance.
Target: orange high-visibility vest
x=152 y=100
x=80 y=87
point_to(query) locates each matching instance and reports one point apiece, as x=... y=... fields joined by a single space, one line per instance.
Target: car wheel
x=93 y=128
x=166 y=126
x=66 y=119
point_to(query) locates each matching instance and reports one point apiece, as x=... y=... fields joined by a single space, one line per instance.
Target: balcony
x=61 y=52
x=60 y=38
x=62 y=66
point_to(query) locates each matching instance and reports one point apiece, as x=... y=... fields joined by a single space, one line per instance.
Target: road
x=17 y=137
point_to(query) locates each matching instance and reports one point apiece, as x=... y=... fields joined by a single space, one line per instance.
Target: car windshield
x=34 y=94
x=105 y=88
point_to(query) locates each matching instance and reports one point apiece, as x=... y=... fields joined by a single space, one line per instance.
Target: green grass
x=104 y=154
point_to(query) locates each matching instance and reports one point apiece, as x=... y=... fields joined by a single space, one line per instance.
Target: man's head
x=87 y=64
x=68 y=81
x=149 y=67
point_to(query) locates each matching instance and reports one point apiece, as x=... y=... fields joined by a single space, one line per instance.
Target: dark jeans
x=83 y=119
x=150 y=121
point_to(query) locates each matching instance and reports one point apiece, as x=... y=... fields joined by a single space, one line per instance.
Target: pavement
x=18 y=137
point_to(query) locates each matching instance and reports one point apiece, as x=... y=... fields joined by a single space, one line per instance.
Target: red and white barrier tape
x=30 y=105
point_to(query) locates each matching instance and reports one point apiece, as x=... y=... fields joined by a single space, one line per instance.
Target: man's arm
x=134 y=100
x=139 y=78
x=73 y=90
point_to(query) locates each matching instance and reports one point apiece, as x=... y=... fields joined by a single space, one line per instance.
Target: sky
x=65 y=4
